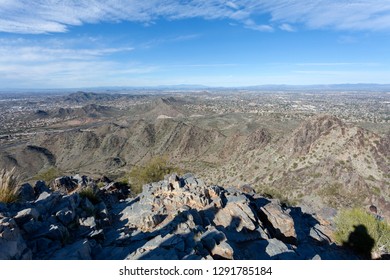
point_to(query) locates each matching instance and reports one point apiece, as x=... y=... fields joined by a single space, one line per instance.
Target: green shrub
x=91 y=194
x=48 y=175
x=362 y=231
x=152 y=171
x=8 y=186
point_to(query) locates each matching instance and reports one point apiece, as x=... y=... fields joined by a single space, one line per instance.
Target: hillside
x=323 y=161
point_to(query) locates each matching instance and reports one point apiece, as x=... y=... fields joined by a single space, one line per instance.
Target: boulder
x=40 y=187
x=12 y=244
x=26 y=193
x=26 y=215
x=66 y=184
x=80 y=250
x=279 y=223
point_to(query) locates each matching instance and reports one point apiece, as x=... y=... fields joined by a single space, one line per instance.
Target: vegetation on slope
x=363 y=232
x=152 y=171
x=8 y=186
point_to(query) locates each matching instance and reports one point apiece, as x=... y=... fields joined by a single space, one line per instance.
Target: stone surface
x=26 y=193
x=279 y=223
x=12 y=244
x=177 y=218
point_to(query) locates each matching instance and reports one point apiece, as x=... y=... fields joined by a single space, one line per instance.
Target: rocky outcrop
x=177 y=218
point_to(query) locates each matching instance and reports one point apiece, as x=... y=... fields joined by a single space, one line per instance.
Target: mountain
x=320 y=161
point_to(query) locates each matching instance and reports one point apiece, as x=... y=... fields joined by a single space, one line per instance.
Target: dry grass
x=8 y=186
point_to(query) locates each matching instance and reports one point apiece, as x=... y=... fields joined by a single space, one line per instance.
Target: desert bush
x=8 y=186
x=152 y=171
x=362 y=231
x=48 y=175
x=91 y=194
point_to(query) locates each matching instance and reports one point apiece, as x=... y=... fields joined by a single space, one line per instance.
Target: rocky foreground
x=177 y=218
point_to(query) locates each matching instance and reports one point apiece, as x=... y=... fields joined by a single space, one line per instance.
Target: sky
x=105 y=43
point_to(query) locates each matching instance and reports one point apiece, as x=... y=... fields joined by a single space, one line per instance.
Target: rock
x=318 y=233
x=40 y=187
x=66 y=184
x=66 y=216
x=3 y=207
x=12 y=244
x=80 y=250
x=277 y=248
x=46 y=202
x=222 y=251
x=88 y=222
x=42 y=196
x=26 y=215
x=56 y=232
x=26 y=193
x=175 y=181
x=278 y=222
x=177 y=218
x=236 y=216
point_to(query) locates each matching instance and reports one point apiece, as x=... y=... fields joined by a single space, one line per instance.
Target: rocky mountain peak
x=176 y=218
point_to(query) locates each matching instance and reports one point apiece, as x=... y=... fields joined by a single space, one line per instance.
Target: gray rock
x=80 y=250
x=3 y=207
x=223 y=250
x=55 y=232
x=236 y=216
x=12 y=244
x=66 y=216
x=26 y=193
x=317 y=233
x=88 y=222
x=65 y=184
x=155 y=254
x=278 y=222
x=32 y=226
x=40 y=187
x=26 y=215
x=276 y=247
x=43 y=196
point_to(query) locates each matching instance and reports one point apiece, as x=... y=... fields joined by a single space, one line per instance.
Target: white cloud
x=46 y=16
x=287 y=27
x=48 y=63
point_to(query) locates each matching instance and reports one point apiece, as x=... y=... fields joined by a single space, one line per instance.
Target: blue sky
x=70 y=44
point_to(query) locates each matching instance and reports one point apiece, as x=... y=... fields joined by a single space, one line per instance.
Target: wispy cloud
x=287 y=27
x=338 y=64
x=48 y=63
x=47 y=16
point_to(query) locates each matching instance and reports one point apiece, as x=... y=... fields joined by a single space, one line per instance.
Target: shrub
x=363 y=232
x=8 y=186
x=48 y=175
x=91 y=194
x=152 y=171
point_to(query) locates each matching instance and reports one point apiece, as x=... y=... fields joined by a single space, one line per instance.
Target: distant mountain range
x=118 y=89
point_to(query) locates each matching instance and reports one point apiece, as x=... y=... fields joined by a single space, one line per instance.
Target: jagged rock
x=177 y=218
x=3 y=207
x=88 y=222
x=26 y=215
x=40 y=187
x=66 y=216
x=318 y=233
x=12 y=244
x=277 y=249
x=56 y=232
x=80 y=250
x=65 y=184
x=26 y=193
x=237 y=216
x=223 y=250
x=278 y=222
x=46 y=202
